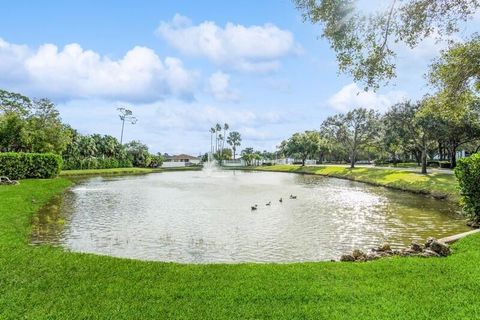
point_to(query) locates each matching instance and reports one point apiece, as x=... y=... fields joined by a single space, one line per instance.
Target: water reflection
x=201 y=218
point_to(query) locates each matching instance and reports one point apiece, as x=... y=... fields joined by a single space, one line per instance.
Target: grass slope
x=439 y=185
x=48 y=283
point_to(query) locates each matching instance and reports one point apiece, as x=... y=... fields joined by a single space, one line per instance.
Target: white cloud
x=73 y=72
x=351 y=97
x=176 y=126
x=11 y=57
x=252 y=48
x=219 y=86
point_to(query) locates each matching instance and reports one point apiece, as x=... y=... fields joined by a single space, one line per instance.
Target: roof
x=181 y=156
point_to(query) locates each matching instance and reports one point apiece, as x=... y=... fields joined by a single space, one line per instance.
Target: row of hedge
x=95 y=163
x=29 y=165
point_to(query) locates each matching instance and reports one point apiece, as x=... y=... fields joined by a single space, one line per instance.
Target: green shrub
x=29 y=165
x=468 y=175
x=95 y=163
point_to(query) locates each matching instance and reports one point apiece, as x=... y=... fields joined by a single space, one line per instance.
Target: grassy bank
x=439 y=185
x=87 y=172
x=48 y=283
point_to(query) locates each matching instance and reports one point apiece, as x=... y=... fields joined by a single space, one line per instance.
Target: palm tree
x=225 y=128
x=218 y=128
x=212 y=131
x=234 y=139
x=220 y=141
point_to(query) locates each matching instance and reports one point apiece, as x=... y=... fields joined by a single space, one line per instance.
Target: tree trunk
x=424 y=160
x=303 y=162
x=453 y=157
x=352 y=160
x=418 y=157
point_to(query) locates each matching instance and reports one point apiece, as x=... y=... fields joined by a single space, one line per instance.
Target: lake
x=206 y=217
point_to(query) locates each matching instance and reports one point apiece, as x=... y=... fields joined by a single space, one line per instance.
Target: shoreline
x=403 y=180
x=122 y=171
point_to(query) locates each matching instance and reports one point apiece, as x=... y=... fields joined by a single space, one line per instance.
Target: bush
x=29 y=165
x=95 y=163
x=468 y=175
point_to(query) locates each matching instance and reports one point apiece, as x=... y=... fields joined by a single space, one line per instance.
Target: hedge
x=468 y=175
x=95 y=163
x=29 y=165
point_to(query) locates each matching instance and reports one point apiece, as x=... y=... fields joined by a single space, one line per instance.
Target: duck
x=281 y=200
x=293 y=197
x=254 y=207
x=269 y=203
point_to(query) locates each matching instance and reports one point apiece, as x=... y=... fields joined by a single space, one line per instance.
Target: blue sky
x=182 y=66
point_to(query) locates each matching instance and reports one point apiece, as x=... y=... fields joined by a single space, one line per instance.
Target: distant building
x=181 y=160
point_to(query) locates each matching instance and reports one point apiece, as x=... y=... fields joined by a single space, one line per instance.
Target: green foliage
x=156 y=160
x=95 y=163
x=250 y=156
x=365 y=44
x=14 y=103
x=14 y=136
x=138 y=154
x=29 y=165
x=30 y=125
x=302 y=145
x=234 y=139
x=468 y=175
x=458 y=69
x=353 y=131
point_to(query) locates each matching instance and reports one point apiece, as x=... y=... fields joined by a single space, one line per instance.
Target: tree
x=458 y=69
x=156 y=160
x=363 y=44
x=234 y=140
x=15 y=102
x=354 y=130
x=87 y=147
x=46 y=131
x=212 y=132
x=456 y=121
x=13 y=133
x=138 y=153
x=416 y=128
x=125 y=115
x=302 y=145
x=249 y=155
x=218 y=128
x=225 y=128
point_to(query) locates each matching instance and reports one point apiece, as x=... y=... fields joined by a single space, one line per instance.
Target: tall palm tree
x=225 y=128
x=234 y=140
x=218 y=128
x=212 y=131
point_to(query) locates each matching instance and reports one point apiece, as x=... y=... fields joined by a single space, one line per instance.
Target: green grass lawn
x=43 y=282
x=439 y=185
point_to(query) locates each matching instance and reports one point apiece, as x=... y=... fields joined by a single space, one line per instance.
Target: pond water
x=206 y=217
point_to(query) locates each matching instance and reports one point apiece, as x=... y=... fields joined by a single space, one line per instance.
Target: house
x=181 y=160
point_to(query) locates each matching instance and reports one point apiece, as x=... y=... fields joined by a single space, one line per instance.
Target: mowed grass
x=43 y=282
x=439 y=185
x=89 y=172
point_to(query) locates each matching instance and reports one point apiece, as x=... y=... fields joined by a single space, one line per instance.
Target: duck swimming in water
x=293 y=197
x=254 y=207
x=269 y=203
x=281 y=200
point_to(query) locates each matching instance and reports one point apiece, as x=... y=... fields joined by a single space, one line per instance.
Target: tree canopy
x=363 y=43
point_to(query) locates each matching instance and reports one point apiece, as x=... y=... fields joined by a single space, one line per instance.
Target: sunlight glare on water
x=206 y=217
